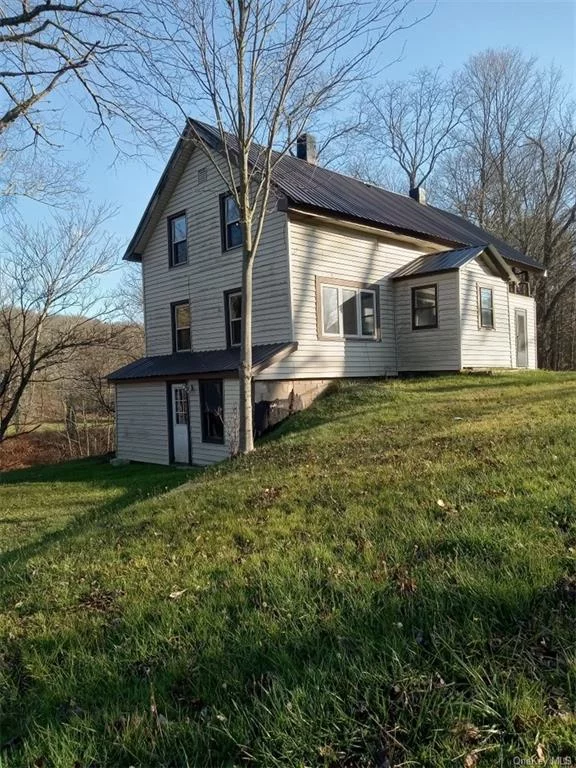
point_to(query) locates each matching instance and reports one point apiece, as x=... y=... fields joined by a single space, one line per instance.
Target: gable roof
x=310 y=187
x=220 y=361
x=449 y=261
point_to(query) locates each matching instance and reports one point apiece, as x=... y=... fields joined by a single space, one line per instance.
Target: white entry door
x=180 y=418
x=521 y=339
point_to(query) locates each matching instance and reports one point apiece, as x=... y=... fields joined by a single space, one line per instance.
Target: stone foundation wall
x=274 y=401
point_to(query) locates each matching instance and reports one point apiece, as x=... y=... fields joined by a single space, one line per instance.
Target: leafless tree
x=46 y=44
x=51 y=301
x=261 y=71
x=414 y=122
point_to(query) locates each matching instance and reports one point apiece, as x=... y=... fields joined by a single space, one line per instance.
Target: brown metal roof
x=216 y=361
x=319 y=189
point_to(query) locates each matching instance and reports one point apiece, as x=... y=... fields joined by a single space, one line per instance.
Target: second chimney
x=306 y=148
x=418 y=194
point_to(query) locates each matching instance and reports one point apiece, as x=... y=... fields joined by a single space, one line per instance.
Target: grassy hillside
x=389 y=580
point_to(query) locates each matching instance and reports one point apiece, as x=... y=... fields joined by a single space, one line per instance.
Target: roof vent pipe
x=306 y=148
x=418 y=194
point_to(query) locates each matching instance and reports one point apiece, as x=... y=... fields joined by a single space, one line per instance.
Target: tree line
x=494 y=142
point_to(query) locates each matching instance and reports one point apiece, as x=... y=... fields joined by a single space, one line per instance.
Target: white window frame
x=340 y=287
x=481 y=326
x=229 y=296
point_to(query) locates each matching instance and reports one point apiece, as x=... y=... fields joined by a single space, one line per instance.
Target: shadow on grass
x=379 y=678
x=135 y=483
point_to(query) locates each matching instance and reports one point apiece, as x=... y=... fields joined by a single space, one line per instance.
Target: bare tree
x=260 y=70
x=413 y=122
x=51 y=302
x=46 y=44
x=498 y=90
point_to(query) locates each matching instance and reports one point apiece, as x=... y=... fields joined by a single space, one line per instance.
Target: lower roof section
x=212 y=362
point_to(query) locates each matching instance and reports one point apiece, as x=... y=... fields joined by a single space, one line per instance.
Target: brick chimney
x=418 y=194
x=306 y=148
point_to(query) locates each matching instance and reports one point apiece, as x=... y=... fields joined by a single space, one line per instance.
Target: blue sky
x=455 y=30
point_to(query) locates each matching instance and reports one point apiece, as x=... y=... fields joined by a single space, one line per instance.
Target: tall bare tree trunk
x=245 y=373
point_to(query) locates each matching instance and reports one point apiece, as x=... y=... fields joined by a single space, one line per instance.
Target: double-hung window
x=486 y=307
x=233 y=310
x=347 y=312
x=177 y=240
x=230 y=222
x=181 y=327
x=212 y=410
x=424 y=307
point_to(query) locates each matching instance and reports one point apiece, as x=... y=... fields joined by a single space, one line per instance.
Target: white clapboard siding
x=484 y=347
x=142 y=422
x=429 y=349
x=527 y=303
x=326 y=251
x=210 y=271
x=210 y=453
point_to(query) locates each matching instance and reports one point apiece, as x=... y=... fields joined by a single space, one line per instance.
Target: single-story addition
x=350 y=281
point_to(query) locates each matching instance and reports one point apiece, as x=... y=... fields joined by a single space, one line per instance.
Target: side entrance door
x=521 y=339
x=180 y=421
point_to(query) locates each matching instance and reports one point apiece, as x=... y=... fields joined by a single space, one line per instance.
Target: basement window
x=424 y=307
x=347 y=311
x=486 y=307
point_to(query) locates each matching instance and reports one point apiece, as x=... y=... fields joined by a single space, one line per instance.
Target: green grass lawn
x=390 y=579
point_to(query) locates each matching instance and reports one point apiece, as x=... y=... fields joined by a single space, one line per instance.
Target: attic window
x=202 y=175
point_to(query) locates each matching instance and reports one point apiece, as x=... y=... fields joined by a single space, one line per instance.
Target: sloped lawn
x=390 y=579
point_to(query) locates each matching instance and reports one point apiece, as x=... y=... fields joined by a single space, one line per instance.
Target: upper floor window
x=212 y=410
x=486 y=307
x=347 y=312
x=233 y=307
x=178 y=239
x=424 y=307
x=181 y=327
x=230 y=221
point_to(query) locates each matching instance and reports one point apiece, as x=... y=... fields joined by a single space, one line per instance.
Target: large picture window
x=231 y=229
x=212 y=410
x=178 y=239
x=486 y=307
x=181 y=327
x=425 y=307
x=347 y=311
x=233 y=307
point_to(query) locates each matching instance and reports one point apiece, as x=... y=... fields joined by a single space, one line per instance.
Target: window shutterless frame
x=232 y=317
x=177 y=239
x=212 y=410
x=485 y=307
x=230 y=230
x=181 y=333
x=419 y=307
x=346 y=310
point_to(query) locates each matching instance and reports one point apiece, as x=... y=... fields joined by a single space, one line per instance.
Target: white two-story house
x=350 y=280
